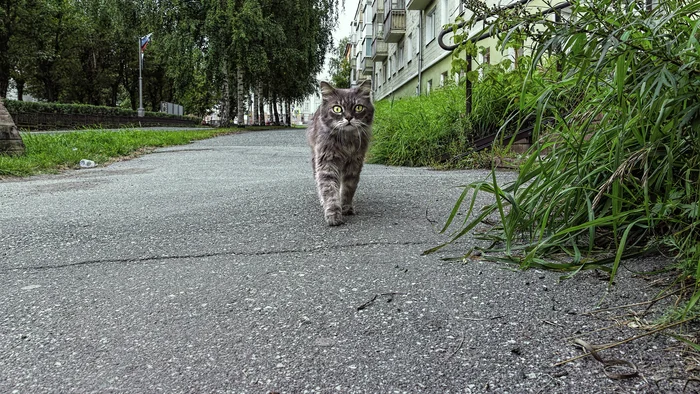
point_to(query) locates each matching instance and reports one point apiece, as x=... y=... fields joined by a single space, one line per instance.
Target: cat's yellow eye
x=337 y=109
x=359 y=108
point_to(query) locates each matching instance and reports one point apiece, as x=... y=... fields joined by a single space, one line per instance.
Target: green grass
x=617 y=174
x=419 y=131
x=434 y=130
x=52 y=153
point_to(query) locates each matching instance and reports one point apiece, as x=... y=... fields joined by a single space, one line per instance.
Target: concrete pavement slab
x=209 y=268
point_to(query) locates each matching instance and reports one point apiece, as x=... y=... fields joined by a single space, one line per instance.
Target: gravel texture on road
x=209 y=268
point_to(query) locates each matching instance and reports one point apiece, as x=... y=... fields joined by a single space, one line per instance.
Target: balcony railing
x=394 y=25
x=380 y=50
x=379 y=26
x=366 y=66
x=377 y=6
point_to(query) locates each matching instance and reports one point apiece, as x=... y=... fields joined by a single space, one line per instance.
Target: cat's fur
x=339 y=141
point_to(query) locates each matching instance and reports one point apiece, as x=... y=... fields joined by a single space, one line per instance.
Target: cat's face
x=347 y=109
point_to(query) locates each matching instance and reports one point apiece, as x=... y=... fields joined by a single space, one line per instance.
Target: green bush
x=434 y=129
x=419 y=131
x=619 y=173
x=14 y=106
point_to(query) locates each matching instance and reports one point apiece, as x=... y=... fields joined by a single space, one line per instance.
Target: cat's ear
x=326 y=89
x=365 y=88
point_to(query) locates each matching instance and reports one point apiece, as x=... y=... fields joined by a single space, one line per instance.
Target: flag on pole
x=145 y=40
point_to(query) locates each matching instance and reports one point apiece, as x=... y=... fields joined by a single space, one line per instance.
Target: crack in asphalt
x=214 y=254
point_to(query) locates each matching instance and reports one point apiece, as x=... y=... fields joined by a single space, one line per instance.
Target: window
x=486 y=56
x=429 y=87
x=430 y=26
x=368 y=47
x=485 y=59
x=443 y=12
x=443 y=78
x=399 y=55
x=518 y=54
x=417 y=46
x=514 y=54
x=384 y=72
x=398 y=4
x=409 y=48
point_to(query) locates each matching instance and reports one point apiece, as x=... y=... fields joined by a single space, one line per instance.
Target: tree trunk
x=261 y=104
x=272 y=111
x=276 y=111
x=20 y=90
x=239 y=97
x=256 y=112
x=225 y=104
x=5 y=65
x=288 y=113
x=10 y=141
x=250 y=114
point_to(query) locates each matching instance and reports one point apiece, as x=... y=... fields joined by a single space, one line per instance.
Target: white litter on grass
x=85 y=163
x=31 y=287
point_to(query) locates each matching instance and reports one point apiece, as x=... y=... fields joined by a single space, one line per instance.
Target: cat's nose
x=348 y=117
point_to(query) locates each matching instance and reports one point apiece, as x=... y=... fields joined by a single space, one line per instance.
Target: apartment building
x=395 y=44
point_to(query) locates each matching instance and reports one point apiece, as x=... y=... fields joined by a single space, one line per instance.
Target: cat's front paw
x=348 y=210
x=334 y=218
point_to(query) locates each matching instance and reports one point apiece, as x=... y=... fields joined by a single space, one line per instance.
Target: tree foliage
x=86 y=51
x=340 y=66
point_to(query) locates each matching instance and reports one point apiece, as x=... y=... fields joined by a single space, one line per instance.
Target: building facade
x=395 y=44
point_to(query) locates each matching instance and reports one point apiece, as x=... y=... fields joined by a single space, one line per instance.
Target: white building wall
x=420 y=49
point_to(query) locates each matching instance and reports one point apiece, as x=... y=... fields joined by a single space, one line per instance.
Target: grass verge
x=52 y=153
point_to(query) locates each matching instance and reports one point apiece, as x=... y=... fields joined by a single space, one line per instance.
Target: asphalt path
x=209 y=268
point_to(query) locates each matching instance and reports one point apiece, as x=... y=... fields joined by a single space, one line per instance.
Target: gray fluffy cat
x=339 y=135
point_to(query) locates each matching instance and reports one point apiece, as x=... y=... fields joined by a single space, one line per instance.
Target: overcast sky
x=344 y=18
x=342 y=30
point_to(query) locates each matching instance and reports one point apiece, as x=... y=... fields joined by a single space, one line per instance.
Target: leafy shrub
x=14 y=106
x=435 y=129
x=619 y=174
x=419 y=131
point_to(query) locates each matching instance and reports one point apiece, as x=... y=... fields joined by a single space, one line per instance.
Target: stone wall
x=10 y=140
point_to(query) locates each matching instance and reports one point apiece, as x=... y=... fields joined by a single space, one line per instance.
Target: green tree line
x=203 y=52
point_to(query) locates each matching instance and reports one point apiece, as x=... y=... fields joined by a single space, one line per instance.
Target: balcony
x=417 y=5
x=377 y=7
x=366 y=66
x=380 y=49
x=394 y=26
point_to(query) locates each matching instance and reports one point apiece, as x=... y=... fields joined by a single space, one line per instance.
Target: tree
x=16 y=17
x=203 y=52
x=340 y=66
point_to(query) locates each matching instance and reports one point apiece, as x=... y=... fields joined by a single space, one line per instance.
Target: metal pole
x=141 y=111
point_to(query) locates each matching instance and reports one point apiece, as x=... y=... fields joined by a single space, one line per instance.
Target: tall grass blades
x=618 y=172
x=419 y=131
x=434 y=129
